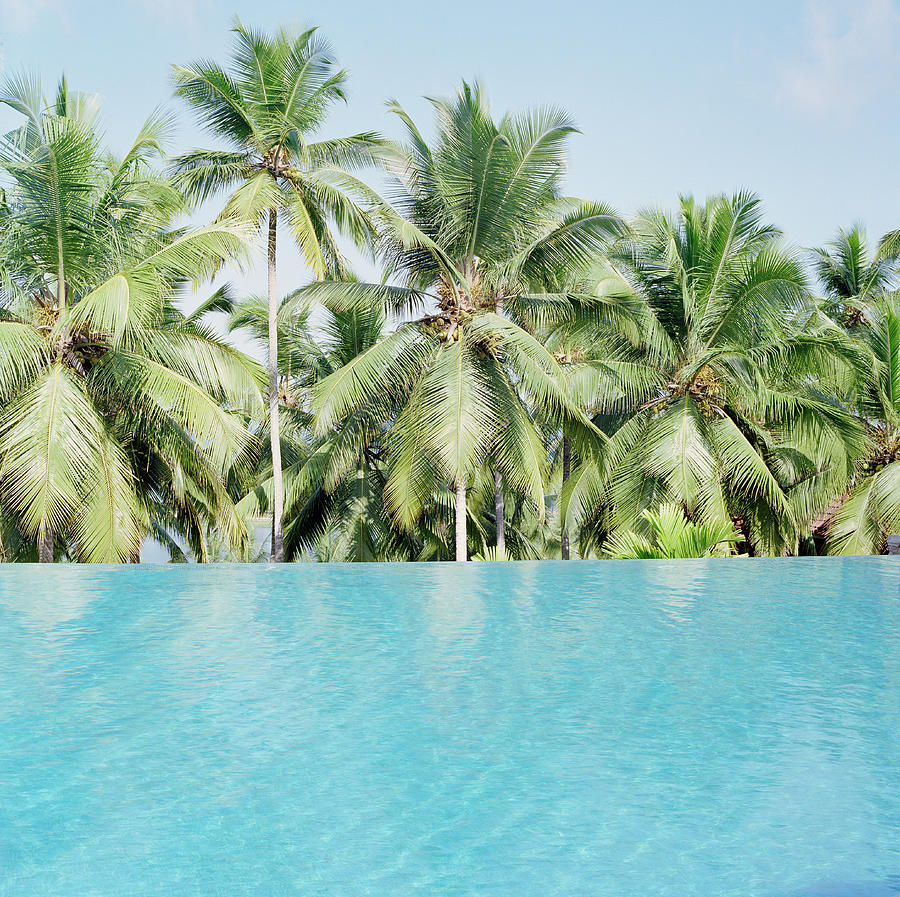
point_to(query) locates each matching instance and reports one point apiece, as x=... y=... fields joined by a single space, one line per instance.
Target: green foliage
x=672 y=535
x=118 y=415
x=669 y=387
x=721 y=405
x=477 y=225
x=274 y=94
x=851 y=279
x=872 y=507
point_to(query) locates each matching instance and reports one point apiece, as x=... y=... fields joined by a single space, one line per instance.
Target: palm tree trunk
x=45 y=546
x=499 y=515
x=499 y=507
x=461 y=551
x=567 y=465
x=277 y=553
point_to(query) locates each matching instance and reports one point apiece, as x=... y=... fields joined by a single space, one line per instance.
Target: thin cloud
x=19 y=16
x=850 y=56
x=23 y=16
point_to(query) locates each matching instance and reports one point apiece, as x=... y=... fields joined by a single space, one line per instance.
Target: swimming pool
x=592 y=728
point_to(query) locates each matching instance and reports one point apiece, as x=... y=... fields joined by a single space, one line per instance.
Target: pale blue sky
x=795 y=100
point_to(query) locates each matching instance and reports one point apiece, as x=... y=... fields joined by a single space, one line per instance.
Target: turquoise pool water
x=612 y=729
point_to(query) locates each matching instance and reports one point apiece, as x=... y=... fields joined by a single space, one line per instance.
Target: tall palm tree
x=115 y=409
x=274 y=94
x=726 y=405
x=477 y=223
x=850 y=276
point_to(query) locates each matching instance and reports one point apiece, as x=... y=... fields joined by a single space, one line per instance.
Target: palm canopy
x=265 y=108
x=725 y=406
x=475 y=230
x=850 y=276
x=117 y=413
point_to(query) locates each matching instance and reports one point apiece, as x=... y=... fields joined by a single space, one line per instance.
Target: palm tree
x=672 y=535
x=889 y=247
x=601 y=310
x=117 y=413
x=477 y=226
x=850 y=277
x=275 y=93
x=871 y=509
x=726 y=405
x=334 y=504
x=334 y=484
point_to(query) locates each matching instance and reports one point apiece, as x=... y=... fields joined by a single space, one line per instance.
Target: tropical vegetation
x=529 y=375
x=119 y=414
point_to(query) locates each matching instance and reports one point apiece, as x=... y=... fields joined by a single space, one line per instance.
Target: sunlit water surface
x=613 y=729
